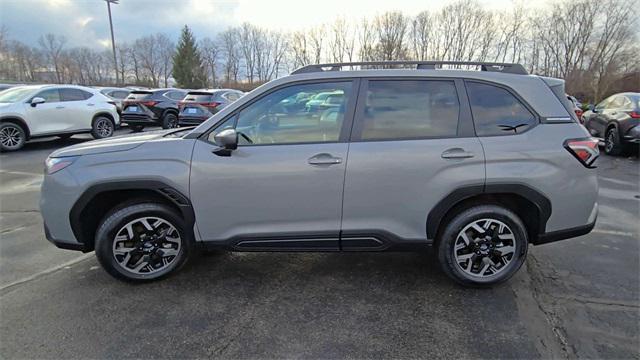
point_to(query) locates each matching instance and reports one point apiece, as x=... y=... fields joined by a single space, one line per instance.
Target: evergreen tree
x=188 y=68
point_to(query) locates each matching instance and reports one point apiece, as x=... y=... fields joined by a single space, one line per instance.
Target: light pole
x=113 y=41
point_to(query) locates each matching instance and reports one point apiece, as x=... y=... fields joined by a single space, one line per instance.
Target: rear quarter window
x=496 y=111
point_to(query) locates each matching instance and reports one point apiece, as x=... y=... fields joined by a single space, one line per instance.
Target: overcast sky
x=85 y=22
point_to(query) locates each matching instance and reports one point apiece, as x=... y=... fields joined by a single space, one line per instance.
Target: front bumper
x=58 y=193
x=63 y=244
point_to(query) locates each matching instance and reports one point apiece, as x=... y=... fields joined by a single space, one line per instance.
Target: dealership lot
x=578 y=297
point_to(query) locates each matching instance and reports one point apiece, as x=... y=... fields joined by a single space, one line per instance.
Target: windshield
x=15 y=94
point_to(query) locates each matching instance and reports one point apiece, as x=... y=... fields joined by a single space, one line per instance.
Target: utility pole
x=113 y=41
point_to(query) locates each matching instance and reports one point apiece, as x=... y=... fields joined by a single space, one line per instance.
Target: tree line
x=591 y=44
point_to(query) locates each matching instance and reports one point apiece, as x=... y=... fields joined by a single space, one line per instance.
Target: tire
x=136 y=128
x=507 y=248
x=102 y=127
x=12 y=136
x=146 y=246
x=612 y=144
x=169 y=121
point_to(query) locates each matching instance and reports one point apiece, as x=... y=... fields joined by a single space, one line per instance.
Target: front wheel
x=169 y=121
x=12 y=137
x=142 y=242
x=483 y=246
x=102 y=128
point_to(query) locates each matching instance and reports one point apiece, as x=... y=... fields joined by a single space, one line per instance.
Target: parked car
x=616 y=121
x=324 y=101
x=577 y=107
x=6 y=86
x=199 y=105
x=28 y=112
x=116 y=94
x=152 y=108
x=477 y=164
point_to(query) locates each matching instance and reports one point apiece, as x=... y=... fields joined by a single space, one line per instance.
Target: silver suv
x=476 y=164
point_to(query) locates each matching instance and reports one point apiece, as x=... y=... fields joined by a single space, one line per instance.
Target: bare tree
x=231 y=52
x=391 y=28
x=316 y=41
x=210 y=53
x=52 y=47
x=300 y=48
x=165 y=50
x=342 y=44
x=367 y=41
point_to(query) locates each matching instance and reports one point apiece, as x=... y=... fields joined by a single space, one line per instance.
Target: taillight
x=148 y=103
x=579 y=115
x=212 y=104
x=634 y=115
x=585 y=150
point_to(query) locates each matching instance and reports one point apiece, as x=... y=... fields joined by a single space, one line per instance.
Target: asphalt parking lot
x=575 y=298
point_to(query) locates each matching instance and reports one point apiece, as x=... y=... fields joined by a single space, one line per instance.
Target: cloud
x=86 y=23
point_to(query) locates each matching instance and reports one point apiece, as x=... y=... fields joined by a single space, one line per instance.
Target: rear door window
x=496 y=111
x=74 y=94
x=407 y=109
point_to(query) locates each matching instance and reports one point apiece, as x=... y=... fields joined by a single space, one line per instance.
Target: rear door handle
x=324 y=159
x=457 y=153
x=60 y=107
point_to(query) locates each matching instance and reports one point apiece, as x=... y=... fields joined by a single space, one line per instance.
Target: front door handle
x=457 y=153
x=60 y=107
x=324 y=159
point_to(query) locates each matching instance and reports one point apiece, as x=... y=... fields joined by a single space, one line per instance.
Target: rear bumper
x=569 y=233
x=189 y=121
x=633 y=135
x=137 y=119
x=564 y=234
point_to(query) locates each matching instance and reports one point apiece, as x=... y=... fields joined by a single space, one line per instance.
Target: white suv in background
x=28 y=112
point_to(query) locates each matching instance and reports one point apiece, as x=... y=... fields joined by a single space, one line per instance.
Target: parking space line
x=613 y=232
x=45 y=272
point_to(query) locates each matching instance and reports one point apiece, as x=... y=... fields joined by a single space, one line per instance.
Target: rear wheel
x=169 y=121
x=612 y=143
x=102 y=128
x=12 y=136
x=483 y=246
x=142 y=242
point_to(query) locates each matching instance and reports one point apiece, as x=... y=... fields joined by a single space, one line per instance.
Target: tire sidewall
x=23 y=136
x=448 y=239
x=105 y=236
x=94 y=129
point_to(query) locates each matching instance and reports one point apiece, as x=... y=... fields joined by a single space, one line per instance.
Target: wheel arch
x=170 y=110
x=18 y=121
x=105 y=114
x=529 y=204
x=97 y=200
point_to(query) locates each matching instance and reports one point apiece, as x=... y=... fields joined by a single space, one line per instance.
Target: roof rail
x=508 y=68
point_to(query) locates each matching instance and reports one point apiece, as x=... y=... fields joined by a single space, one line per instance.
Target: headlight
x=53 y=165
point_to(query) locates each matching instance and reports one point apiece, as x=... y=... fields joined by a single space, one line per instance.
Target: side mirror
x=227 y=140
x=592 y=108
x=37 y=100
